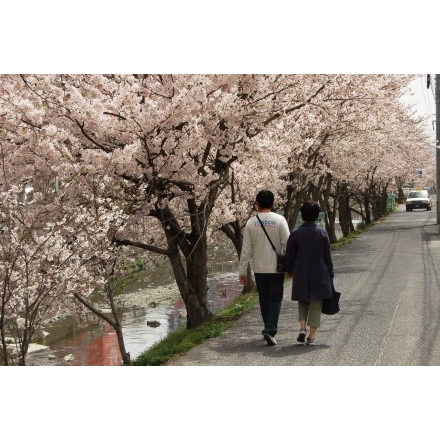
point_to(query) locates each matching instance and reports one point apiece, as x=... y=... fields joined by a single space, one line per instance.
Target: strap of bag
x=267 y=235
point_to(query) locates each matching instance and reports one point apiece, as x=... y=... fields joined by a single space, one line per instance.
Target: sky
x=424 y=97
x=424 y=101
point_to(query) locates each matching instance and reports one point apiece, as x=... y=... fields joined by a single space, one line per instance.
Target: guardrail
x=391 y=202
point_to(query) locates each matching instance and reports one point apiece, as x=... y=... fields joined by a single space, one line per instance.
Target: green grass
x=182 y=340
x=347 y=240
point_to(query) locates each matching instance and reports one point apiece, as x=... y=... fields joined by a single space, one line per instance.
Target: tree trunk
x=115 y=323
x=22 y=355
x=234 y=232
x=322 y=193
x=250 y=284
x=25 y=337
x=376 y=205
x=126 y=360
x=401 y=197
x=367 y=209
x=193 y=284
x=293 y=207
x=330 y=221
x=360 y=211
x=345 y=220
x=195 y=296
x=4 y=351
x=383 y=201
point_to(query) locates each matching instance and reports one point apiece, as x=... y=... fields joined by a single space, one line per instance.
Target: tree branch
x=147 y=247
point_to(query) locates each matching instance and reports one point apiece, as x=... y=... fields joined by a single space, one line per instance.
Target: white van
x=419 y=199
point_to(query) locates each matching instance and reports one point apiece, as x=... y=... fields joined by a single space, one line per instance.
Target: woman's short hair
x=265 y=199
x=310 y=211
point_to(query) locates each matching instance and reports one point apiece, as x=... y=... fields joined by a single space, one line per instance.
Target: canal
x=145 y=322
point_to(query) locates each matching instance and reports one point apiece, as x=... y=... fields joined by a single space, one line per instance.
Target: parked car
x=418 y=200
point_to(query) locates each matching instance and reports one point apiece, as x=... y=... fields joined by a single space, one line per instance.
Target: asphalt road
x=389 y=277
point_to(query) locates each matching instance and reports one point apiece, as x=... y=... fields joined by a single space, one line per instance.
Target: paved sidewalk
x=243 y=343
x=389 y=278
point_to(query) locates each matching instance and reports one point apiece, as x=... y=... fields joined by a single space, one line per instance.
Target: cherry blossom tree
x=172 y=141
x=98 y=220
x=58 y=250
x=55 y=255
x=39 y=270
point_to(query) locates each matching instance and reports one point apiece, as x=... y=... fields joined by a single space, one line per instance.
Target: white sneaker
x=270 y=339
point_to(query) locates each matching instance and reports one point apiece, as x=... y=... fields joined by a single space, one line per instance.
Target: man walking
x=258 y=251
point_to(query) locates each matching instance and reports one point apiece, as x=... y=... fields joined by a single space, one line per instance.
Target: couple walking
x=308 y=263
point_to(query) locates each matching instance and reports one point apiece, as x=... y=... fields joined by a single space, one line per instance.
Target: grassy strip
x=182 y=340
x=352 y=236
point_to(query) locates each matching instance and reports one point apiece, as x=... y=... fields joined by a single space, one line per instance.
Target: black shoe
x=302 y=336
x=270 y=339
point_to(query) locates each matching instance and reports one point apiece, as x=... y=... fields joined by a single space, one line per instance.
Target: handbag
x=281 y=259
x=281 y=263
x=330 y=306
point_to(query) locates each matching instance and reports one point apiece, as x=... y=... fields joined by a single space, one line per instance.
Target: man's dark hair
x=310 y=211
x=265 y=199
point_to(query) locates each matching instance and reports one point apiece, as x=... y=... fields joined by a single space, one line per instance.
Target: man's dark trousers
x=270 y=288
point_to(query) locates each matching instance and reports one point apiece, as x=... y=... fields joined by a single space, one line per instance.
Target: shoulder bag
x=330 y=306
x=281 y=259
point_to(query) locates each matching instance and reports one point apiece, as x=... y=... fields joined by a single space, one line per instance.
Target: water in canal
x=69 y=344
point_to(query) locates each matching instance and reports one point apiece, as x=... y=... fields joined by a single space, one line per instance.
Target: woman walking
x=310 y=266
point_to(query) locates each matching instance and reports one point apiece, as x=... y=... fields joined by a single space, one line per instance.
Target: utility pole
x=437 y=140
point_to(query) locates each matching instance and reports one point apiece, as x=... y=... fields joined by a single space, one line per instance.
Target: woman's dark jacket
x=308 y=258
